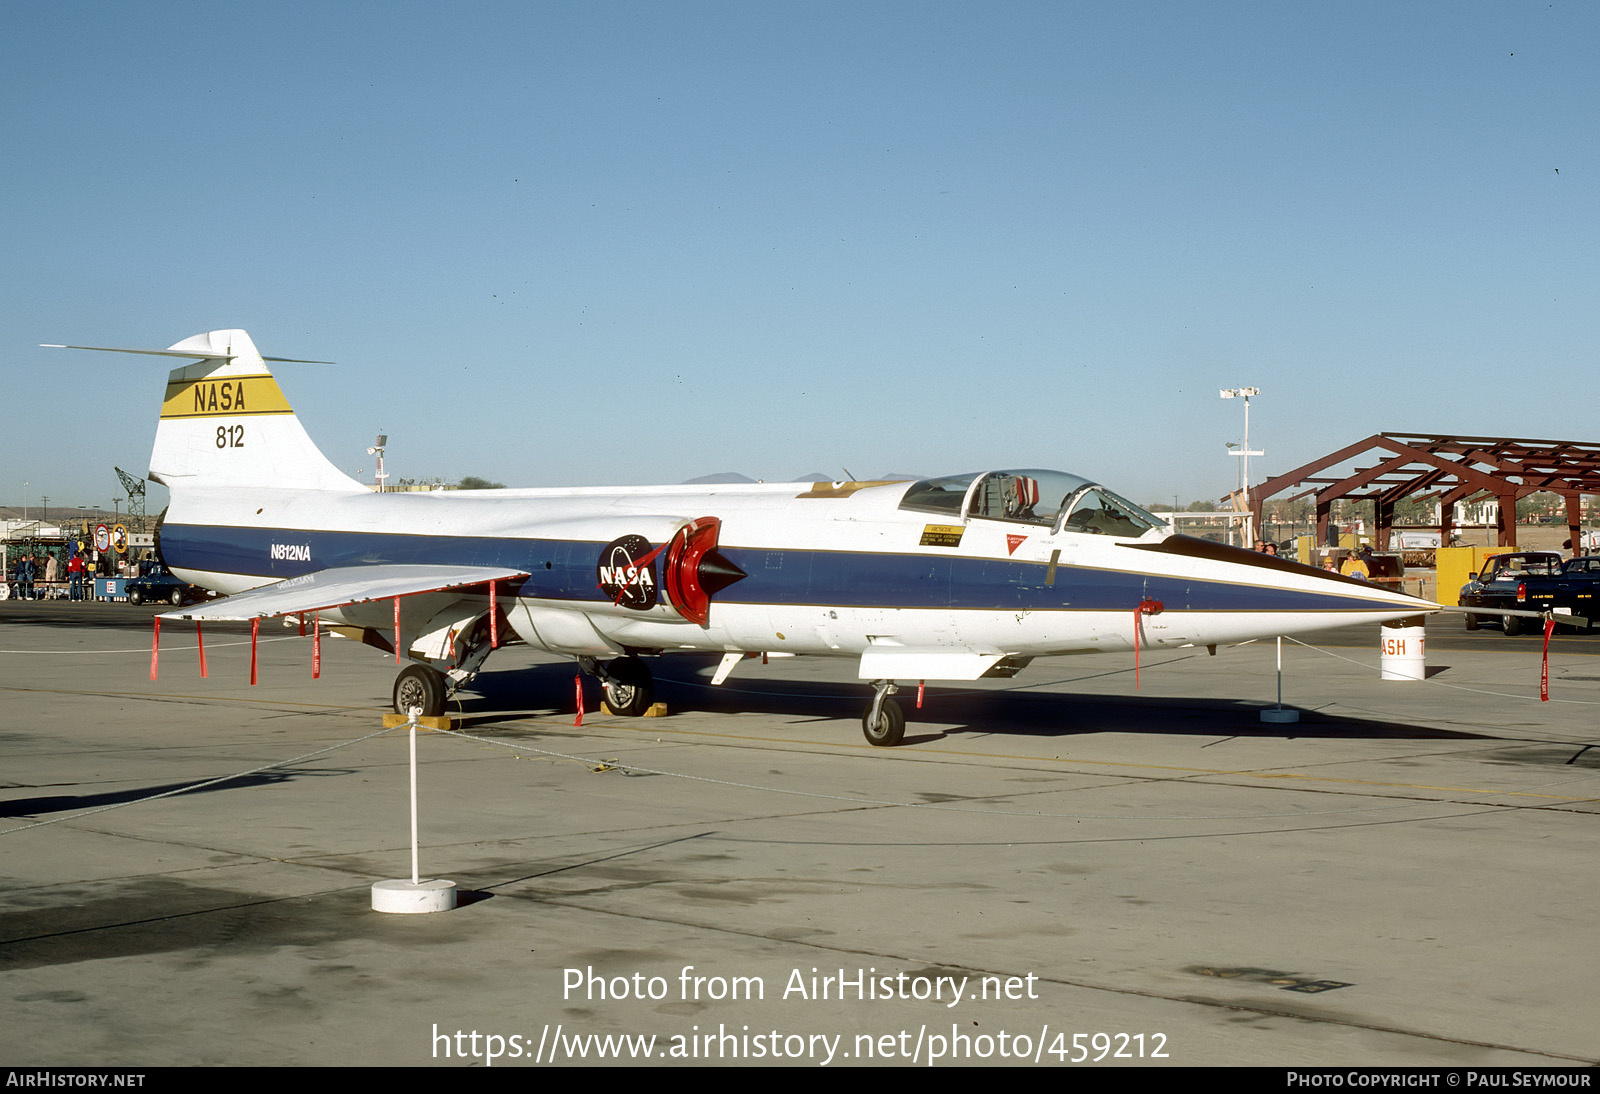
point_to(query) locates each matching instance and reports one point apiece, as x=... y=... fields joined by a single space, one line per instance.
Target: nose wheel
x=884 y=723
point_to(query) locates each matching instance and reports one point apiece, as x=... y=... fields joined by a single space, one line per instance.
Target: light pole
x=25 y=502
x=1244 y=453
x=377 y=450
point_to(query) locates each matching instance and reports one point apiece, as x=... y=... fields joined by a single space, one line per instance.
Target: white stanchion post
x=416 y=895
x=413 y=735
x=1279 y=714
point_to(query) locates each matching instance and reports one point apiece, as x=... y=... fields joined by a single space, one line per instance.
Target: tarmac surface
x=1405 y=877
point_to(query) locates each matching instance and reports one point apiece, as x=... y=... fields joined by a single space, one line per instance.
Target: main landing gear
x=884 y=723
x=628 y=687
x=420 y=686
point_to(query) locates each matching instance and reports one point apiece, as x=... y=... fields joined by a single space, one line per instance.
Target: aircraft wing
x=337 y=587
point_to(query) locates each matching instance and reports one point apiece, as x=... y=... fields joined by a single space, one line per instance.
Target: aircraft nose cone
x=717 y=573
x=1281 y=584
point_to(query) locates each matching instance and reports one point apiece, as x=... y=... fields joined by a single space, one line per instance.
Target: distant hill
x=720 y=476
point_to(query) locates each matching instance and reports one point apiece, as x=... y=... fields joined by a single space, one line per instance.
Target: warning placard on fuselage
x=941 y=535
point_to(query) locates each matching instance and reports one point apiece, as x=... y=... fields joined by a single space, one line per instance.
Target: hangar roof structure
x=1446 y=468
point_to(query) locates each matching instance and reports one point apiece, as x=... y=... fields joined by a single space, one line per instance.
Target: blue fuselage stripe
x=566 y=570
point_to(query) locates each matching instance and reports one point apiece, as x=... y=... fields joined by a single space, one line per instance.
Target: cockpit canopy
x=1049 y=499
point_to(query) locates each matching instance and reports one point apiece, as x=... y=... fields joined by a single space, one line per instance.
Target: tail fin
x=224 y=422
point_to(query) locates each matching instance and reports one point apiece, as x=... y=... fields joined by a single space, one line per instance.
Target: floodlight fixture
x=1243 y=452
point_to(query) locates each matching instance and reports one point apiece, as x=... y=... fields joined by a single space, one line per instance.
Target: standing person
x=75 y=576
x=51 y=573
x=25 y=572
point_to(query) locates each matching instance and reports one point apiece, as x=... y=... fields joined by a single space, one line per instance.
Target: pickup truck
x=1536 y=582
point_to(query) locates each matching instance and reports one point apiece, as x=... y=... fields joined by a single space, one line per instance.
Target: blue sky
x=559 y=244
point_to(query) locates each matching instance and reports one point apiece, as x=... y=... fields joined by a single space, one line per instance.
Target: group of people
x=30 y=575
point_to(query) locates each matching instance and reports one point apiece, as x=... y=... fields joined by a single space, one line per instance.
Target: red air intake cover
x=695 y=571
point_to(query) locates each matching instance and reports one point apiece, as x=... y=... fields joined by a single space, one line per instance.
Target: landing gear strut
x=884 y=723
x=626 y=681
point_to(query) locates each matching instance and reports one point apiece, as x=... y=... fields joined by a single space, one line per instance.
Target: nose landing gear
x=884 y=723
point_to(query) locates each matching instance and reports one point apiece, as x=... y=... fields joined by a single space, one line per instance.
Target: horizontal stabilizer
x=200 y=354
x=338 y=587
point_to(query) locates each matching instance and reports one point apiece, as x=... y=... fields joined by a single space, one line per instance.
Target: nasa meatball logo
x=627 y=572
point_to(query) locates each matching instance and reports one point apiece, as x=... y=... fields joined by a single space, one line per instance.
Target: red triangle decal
x=1013 y=542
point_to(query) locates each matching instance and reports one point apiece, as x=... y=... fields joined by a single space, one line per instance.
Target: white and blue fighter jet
x=950 y=578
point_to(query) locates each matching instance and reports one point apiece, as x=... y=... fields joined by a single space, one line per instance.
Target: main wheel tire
x=1512 y=625
x=890 y=729
x=419 y=686
x=1472 y=622
x=135 y=596
x=628 y=687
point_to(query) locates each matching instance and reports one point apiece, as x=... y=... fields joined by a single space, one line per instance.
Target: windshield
x=1098 y=510
x=1513 y=567
x=1049 y=499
